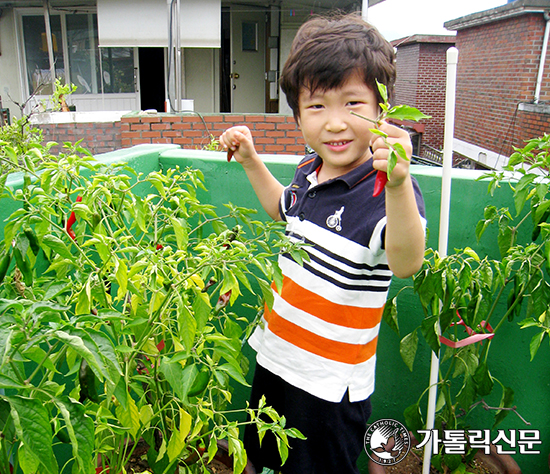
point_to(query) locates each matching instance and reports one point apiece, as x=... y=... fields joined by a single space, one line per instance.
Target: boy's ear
x=298 y=123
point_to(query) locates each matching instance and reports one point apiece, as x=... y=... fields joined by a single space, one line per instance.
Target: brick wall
x=96 y=137
x=421 y=81
x=497 y=70
x=272 y=133
x=406 y=83
x=530 y=125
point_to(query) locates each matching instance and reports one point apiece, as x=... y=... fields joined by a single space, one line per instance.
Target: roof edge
x=445 y=39
x=509 y=10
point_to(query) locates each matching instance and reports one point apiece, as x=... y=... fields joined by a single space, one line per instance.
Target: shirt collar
x=311 y=164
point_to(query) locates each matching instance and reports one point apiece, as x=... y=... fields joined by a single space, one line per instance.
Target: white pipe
x=49 y=42
x=450 y=96
x=178 y=58
x=542 y=57
x=365 y=10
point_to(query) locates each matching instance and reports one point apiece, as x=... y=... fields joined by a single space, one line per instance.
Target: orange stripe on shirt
x=305 y=163
x=321 y=346
x=342 y=315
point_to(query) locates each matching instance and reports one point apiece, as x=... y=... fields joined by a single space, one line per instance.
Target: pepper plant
x=467 y=298
x=121 y=317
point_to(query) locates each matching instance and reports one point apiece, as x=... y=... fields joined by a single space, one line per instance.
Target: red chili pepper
x=160 y=246
x=223 y=301
x=71 y=220
x=229 y=154
x=379 y=183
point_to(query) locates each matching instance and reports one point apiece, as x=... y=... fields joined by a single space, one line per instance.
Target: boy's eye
x=316 y=106
x=354 y=102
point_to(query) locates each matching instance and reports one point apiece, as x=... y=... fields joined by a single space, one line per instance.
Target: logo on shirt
x=334 y=221
x=387 y=442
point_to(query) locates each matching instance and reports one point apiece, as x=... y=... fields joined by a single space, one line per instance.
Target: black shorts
x=334 y=431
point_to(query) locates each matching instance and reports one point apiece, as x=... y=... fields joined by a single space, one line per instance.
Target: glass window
x=92 y=69
x=36 y=53
x=82 y=47
x=117 y=66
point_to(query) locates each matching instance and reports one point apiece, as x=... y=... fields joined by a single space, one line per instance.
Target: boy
x=316 y=349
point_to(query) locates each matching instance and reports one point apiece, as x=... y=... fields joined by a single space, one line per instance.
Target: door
x=151 y=78
x=247 y=77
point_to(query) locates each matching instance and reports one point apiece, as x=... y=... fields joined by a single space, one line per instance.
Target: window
x=36 y=53
x=78 y=59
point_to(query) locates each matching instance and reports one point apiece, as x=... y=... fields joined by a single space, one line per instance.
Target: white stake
x=450 y=95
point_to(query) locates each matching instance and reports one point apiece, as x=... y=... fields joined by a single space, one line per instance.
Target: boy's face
x=341 y=139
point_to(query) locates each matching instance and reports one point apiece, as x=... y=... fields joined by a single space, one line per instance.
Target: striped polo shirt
x=322 y=331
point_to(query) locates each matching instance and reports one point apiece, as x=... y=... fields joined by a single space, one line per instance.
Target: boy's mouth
x=338 y=144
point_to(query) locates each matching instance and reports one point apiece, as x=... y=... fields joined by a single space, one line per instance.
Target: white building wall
x=9 y=65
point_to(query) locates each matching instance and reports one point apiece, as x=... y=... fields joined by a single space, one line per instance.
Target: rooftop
x=450 y=39
x=509 y=10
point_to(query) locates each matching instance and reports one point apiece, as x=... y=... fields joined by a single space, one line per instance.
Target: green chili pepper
x=33 y=240
x=200 y=383
x=87 y=381
x=4 y=265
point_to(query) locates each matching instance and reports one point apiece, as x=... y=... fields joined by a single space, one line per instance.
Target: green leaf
x=187 y=325
x=129 y=418
x=234 y=372
x=84 y=299
x=383 y=91
x=180 y=379
x=404 y=112
x=57 y=245
x=535 y=344
x=77 y=344
x=430 y=333
x=413 y=419
x=28 y=462
x=390 y=315
x=408 y=347
x=39 y=355
x=483 y=380
x=180 y=233
x=505 y=402
x=467 y=393
x=81 y=432
x=7 y=382
x=121 y=275
x=32 y=424
x=177 y=440
x=400 y=151
x=266 y=292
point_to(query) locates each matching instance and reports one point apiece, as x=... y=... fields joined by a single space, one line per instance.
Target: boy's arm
x=404 y=242
x=267 y=188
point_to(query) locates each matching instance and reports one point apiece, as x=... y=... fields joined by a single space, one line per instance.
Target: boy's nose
x=336 y=123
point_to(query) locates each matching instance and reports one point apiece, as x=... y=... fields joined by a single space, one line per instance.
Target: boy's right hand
x=239 y=140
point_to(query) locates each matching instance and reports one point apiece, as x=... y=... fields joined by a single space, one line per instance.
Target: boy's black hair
x=327 y=50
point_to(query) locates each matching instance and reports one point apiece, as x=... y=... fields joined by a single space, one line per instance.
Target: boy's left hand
x=381 y=153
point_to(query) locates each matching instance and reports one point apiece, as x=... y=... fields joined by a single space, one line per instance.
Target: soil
x=216 y=467
x=138 y=463
x=412 y=464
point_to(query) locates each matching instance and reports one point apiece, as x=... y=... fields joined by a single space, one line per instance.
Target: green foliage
x=398 y=112
x=121 y=320
x=465 y=290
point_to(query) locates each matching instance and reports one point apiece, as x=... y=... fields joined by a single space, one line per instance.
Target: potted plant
x=120 y=329
x=467 y=298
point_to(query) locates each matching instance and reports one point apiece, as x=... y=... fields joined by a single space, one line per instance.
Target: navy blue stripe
x=338 y=283
x=353 y=276
x=339 y=258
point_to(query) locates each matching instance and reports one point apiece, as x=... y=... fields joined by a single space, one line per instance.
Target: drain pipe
x=365 y=10
x=542 y=57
